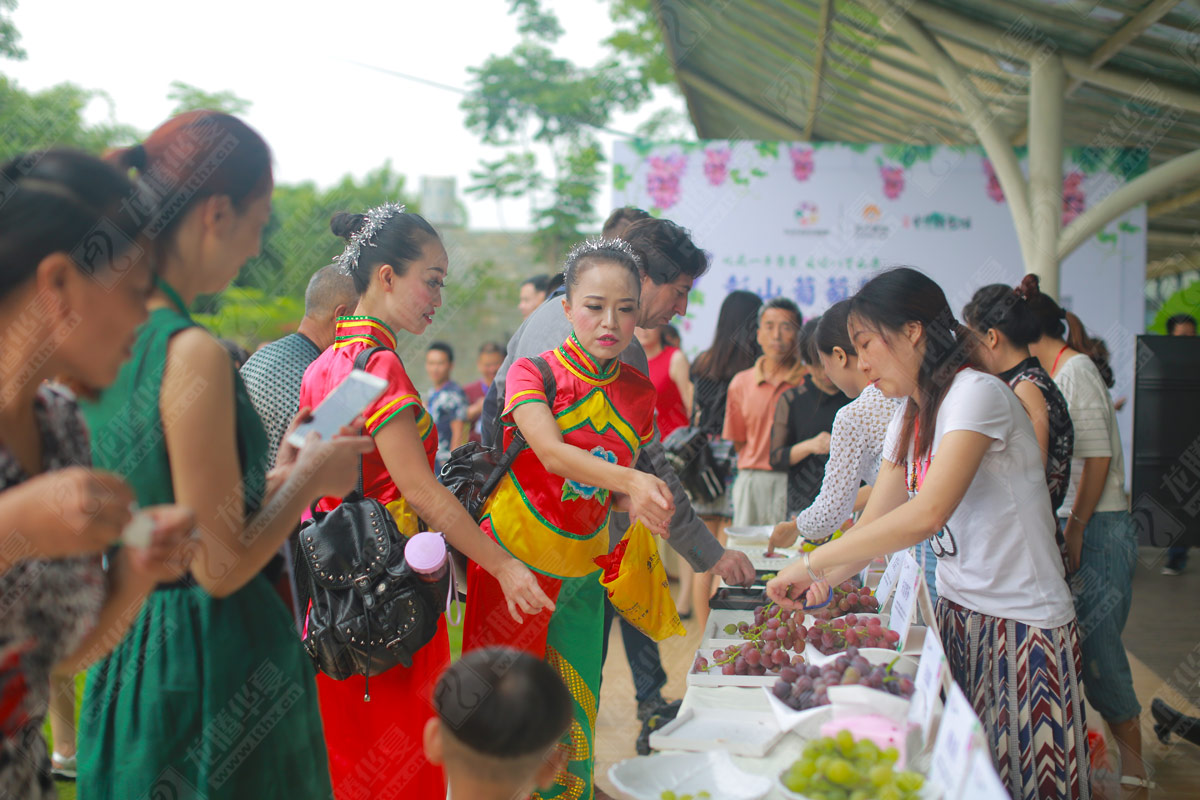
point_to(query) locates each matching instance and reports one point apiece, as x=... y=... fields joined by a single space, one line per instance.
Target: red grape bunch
x=802 y=687
x=848 y=598
x=773 y=624
x=851 y=630
x=749 y=658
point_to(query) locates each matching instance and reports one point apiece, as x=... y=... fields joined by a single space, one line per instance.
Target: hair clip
x=375 y=218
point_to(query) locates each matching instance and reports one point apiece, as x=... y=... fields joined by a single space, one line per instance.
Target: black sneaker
x=650 y=706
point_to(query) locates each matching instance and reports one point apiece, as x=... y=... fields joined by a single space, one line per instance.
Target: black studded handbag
x=365 y=609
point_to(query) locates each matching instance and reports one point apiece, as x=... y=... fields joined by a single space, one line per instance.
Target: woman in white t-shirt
x=961 y=466
x=855 y=442
x=1100 y=534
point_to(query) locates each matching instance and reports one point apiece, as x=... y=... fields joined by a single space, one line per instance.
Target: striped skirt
x=1024 y=684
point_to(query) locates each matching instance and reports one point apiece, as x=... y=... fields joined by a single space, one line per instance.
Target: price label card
x=928 y=683
x=982 y=782
x=953 y=744
x=884 y=590
x=905 y=603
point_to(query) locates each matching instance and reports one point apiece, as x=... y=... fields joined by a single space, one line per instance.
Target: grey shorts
x=759 y=497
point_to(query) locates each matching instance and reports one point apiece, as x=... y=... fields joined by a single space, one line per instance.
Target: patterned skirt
x=1024 y=683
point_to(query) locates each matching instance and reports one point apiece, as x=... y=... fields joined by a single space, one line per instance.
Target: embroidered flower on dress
x=574 y=490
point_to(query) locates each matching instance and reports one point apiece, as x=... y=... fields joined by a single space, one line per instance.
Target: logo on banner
x=807 y=215
x=936 y=221
x=871 y=225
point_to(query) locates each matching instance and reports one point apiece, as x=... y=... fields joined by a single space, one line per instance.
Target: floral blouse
x=46 y=607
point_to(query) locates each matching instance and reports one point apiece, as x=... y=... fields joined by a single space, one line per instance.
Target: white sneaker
x=62 y=766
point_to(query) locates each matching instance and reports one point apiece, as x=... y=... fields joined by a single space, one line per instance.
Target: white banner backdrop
x=814 y=221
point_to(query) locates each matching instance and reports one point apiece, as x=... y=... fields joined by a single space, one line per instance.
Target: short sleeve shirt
x=1061 y=432
x=446 y=405
x=1096 y=432
x=997 y=554
x=354 y=335
x=750 y=413
x=273 y=376
x=556 y=525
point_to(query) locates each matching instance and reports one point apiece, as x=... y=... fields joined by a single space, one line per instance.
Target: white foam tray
x=737 y=732
x=647 y=777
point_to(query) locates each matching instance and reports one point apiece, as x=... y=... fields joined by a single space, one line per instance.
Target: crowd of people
x=989 y=445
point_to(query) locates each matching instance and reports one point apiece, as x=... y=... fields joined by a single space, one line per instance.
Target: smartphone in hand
x=341 y=406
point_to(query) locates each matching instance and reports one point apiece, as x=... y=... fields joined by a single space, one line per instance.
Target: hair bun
x=1029 y=287
x=344 y=224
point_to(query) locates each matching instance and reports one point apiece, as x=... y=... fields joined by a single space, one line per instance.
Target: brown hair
x=194 y=156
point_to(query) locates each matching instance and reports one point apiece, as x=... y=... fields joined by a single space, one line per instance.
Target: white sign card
x=959 y=726
x=904 y=605
x=884 y=590
x=930 y=671
x=982 y=782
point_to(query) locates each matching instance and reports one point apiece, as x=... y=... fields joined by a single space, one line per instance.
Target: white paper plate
x=647 y=777
x=736 y=731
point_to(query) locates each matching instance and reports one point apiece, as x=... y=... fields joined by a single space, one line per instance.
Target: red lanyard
x=917 y=473
x=1054 y=366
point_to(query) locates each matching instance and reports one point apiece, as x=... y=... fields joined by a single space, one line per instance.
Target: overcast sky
x=322 y=116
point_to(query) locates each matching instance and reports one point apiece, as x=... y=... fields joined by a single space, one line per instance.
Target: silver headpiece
x=375 y=218
x=589 y=246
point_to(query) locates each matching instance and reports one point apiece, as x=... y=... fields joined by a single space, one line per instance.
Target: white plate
x=750 y=532
x=647 y=777
x=736 y=731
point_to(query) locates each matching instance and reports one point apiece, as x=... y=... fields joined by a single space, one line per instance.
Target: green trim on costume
x=547 y=523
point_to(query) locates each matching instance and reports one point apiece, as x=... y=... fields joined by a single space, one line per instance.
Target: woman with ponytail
x=1100 y=536
x=961 y=468
x=1004 y=327
x=210 y=694
x=399 y=267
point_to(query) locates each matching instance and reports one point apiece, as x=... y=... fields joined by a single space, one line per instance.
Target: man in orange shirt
x=759 y=492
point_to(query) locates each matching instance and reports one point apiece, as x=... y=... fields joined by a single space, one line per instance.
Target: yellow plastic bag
x=637 y=585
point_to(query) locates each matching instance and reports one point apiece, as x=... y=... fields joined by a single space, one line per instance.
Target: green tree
x=531 y=94
x=193 y=98
x=53 y=117
x=8 y=32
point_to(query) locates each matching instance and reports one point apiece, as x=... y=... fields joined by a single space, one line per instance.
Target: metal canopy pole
x=1047 y=96
x=1138 y=190
x=982 y=119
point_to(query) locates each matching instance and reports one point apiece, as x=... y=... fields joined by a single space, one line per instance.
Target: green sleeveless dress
x=204 y=697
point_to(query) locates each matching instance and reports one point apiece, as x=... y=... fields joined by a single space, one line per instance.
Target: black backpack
x=474 y=470
x=369 y=610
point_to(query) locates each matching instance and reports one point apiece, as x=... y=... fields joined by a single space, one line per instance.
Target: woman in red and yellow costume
x=551 y=509
x=399 y=267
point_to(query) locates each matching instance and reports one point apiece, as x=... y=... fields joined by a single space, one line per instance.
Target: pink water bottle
x=426 y=555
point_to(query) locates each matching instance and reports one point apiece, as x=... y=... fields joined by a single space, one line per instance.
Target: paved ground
x=1162 y=639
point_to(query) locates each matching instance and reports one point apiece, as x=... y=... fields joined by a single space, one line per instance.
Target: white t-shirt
x=855 y=445
x=1096 y=434
x=997 y=555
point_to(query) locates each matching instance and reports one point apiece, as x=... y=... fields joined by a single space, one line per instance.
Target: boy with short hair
x=501 y=716
x=446 y=402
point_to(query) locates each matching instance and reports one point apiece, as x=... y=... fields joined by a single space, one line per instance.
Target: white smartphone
x=340 y=406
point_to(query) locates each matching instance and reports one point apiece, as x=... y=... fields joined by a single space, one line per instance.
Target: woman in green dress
x=210 y=694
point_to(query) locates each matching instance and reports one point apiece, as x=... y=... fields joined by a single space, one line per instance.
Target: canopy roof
x=835 y=70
